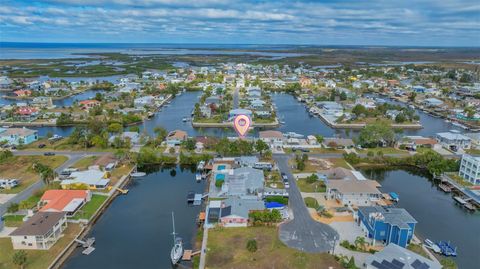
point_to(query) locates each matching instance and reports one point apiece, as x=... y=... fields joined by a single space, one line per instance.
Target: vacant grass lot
x=20 y=167
x=317 y=186
x=311 y=202
x=84 y=163
x=36 y=259
x=13 y=220
x=227 y=249
x=384 y=151
x=87 y=211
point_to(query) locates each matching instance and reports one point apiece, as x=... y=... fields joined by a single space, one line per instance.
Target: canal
x=292 y=113
x=136 y=230
x=439 y=218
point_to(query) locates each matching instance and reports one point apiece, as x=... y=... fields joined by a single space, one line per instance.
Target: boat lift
x=87 y=244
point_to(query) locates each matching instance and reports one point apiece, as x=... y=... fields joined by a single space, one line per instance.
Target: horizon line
x=255 y=44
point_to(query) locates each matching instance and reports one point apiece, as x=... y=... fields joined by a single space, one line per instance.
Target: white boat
x=138 y=174
x=198 y=177
x=294 y=135
x=177 y=249
x=201 y=165
x=429 y=244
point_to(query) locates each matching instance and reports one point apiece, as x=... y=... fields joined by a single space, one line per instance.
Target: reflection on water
x=136 y=230
x=439 y=218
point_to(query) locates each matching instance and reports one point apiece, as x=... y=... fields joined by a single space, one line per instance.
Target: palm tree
x=360 y=241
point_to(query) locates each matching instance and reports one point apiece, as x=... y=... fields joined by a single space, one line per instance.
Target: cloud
x=328 y=22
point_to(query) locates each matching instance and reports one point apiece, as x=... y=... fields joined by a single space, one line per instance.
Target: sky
x=348 y=22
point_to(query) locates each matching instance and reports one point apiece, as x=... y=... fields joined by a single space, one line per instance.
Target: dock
x=122 y=191
x=188 y=254
x=445 y=188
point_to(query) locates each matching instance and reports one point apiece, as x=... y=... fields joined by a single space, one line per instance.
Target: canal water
x=292 y=113
x=136 y=230
x=439 y=218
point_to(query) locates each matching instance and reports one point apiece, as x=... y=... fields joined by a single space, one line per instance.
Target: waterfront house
x=134 y=137
x=41 y=231
x=470 y=169
x=413 y=142
x=394 y=256
x=351 y=192
x=23 y=93
x=240 y=111
x=215 y=100
x=386 y=224
x=88 y=104
x=334 y=142
x=254 y=92
x=454 y=140
x=475 y=139
x=257 y=103
x=234 y=211
x=175 y=138
x=93 y=179
x=273 y=138
x=243 y=181
x=17 y=136
x=144 y=101
x=206 y=110
x=26 y=113
x=68 y=201
x=5 y=83
x=432 y=102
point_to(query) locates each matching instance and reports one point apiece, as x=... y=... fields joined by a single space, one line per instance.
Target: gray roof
x=245 y=180
x=247 y=160
x=241 y=207
x=39 y=224
x=394 y=216
x=453 y=136
x=394 y=256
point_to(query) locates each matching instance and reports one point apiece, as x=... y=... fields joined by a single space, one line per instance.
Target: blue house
x=386 y=224
x=17 y=136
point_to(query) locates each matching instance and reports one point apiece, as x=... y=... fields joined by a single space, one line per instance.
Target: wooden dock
x=188 y=254
x=445 y=188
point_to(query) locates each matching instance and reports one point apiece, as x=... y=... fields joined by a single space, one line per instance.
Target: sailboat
x=177 y=249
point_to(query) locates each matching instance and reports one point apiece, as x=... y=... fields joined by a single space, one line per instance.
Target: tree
x=261 y=146
x=376 y=134
x=359 y=110
x=115 y=128
x=412 y=96
x=400 y=118
x=252 y=245
x=319 y=138
x=189 y=144
x=351 y=263
x=12 y=208
x=448 y=263
x=160 y=132
x=20 y=258
x=360 y=242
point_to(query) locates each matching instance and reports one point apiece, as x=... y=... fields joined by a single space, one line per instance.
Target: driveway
x=303 y=233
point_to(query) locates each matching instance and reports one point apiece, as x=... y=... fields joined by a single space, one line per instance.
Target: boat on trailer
x=431 y=245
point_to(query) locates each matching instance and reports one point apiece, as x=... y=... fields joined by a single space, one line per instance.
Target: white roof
x=215 y=204
x=88 y=177
x=74 y=204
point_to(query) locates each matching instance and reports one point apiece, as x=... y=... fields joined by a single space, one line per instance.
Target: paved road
x=235 y=98
x=73 y=157
x=303 y=232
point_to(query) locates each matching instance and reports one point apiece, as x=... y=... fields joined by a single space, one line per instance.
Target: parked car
x=41 y=146
x=286 y=184
x=284 y=177
x=8 y=183
x=49 y=154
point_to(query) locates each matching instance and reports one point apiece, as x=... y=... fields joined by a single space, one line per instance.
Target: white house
x=41 y=231
x=354 y=192
x=454 y=140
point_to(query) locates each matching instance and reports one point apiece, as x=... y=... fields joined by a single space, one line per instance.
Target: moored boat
x=177 y=250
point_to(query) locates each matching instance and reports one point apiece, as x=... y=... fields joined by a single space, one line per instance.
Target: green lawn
x=20 y=167
x=84 y=163
x=317 y=186
x=417 y=248
x=37 y=259
x=87 y=211
x=455 y=177
x=13 y=220
x=227 y=249
x=384 y=151
x=311 y=202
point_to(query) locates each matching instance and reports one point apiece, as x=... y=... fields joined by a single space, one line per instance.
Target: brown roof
x=39 y=224
x=270 y=134
x=354 y=186
x=177 y=134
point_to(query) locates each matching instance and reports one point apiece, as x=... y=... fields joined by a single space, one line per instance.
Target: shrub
x=252 y=245
x=278 y=199
x=12 y=208
x=219 y=183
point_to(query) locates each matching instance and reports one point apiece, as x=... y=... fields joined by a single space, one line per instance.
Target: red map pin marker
x=241 y=123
